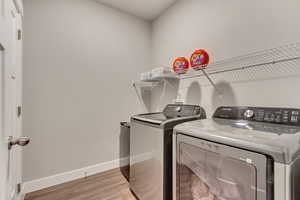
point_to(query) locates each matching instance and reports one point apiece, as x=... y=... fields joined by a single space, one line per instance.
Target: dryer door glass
x=206 y=175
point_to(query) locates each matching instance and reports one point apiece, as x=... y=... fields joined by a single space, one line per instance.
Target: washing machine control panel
x=287 y=116
x=182 y=110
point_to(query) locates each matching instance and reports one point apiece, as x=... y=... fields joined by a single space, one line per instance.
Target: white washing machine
x=242 y=153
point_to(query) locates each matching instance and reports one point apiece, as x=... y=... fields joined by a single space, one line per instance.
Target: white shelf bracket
x=163 y=93
x=212 y=82
x=139 y=95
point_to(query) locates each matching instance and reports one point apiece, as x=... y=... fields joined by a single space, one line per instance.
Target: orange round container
x=181 y=65
x=199 y=59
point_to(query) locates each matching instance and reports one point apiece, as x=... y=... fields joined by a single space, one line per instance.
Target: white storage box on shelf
x=163 y=73
x=146 y=76
x=158 y=74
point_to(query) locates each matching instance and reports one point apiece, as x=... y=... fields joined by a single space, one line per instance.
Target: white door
x=10 y=98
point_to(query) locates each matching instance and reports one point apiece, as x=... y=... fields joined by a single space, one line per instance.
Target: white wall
x=80 y=59
x=227 y=29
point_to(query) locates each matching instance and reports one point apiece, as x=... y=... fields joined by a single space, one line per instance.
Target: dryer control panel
x=287 y=116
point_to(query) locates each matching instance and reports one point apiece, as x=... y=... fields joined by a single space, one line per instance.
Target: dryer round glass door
x=213 y=171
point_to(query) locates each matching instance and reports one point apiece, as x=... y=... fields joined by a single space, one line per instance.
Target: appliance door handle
x=21 y=141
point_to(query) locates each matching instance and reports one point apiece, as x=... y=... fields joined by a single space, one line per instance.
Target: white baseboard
x=57 y=179
x=141 y=157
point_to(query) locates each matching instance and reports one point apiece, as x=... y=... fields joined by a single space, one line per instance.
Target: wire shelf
x=280 y=62
x=277 y=62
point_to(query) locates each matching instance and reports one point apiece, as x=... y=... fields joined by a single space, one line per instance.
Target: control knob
x=178 y=109
x=249 y=113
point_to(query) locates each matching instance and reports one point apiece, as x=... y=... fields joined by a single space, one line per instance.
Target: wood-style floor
x=110 y=185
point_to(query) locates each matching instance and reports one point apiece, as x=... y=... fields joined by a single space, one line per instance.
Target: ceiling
x=146 y=9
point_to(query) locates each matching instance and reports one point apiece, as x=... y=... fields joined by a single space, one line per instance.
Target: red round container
x=199 y=59
x=181 y=65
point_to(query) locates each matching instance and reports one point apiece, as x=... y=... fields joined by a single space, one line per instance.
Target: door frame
x=10 y=74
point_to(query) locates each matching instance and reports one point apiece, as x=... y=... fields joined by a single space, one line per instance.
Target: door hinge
x=19 y=188
x=19 y=34
x=19 y=111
